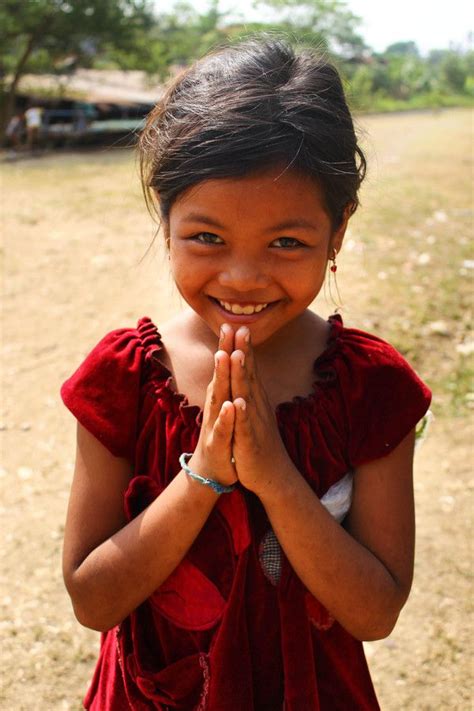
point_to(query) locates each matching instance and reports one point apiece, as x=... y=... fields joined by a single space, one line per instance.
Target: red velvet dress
x=217 y=634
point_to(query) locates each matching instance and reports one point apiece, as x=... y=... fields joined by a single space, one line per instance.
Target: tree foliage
x=60 y=35
x=325 y=23
x=175 y=39
x=401 y=77
x=46 y=35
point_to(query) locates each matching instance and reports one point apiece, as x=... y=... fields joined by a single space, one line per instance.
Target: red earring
x=332 y=259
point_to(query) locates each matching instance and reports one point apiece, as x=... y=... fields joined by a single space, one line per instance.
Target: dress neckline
x=324 y=373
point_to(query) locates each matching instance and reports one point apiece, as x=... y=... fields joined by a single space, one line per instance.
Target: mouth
x=239 y=311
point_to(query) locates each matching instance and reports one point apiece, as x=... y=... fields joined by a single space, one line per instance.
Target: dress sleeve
x=386 y=400
x=103 y=393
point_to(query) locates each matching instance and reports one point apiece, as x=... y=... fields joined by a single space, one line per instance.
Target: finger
x=239 y=382
x=242 y=424
x=219 y=387
x=224 y=424
x=226 y=338
x=240 y=405
x=243 y=342
x=242 y=339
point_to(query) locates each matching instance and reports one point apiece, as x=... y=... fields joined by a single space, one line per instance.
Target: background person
x=33 y=118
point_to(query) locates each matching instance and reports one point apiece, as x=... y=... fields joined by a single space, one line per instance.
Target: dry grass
x=75 y=233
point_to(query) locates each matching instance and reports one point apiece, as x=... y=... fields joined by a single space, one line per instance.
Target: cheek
x=177 y=261
x=307 y=284
x=182 y=276
x=187 y=277
x=309 y=276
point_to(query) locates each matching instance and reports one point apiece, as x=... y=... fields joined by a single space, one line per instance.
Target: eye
x=207 y=238
x=287 y=243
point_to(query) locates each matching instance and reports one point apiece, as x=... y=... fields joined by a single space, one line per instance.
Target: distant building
x=92 y=107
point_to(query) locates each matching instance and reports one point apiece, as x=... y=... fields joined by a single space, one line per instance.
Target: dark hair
x=247 y=107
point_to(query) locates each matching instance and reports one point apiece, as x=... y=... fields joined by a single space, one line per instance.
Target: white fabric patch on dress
x=337 y=500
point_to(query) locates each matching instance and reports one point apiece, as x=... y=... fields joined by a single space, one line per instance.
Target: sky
x=432 y=24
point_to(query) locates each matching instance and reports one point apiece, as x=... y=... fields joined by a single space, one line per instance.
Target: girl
x=241 y=514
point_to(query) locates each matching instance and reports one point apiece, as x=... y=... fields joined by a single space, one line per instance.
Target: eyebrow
x=198 y=217
x=291 y=224
x=280 y=226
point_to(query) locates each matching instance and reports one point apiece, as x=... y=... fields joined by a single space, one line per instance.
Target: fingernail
x=221 y=333
x=242 y=360
x=242 y=405
x=246 y=335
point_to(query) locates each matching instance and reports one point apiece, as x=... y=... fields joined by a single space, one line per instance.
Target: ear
x=337 y=237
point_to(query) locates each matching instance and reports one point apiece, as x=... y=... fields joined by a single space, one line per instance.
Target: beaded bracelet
x=218 y=488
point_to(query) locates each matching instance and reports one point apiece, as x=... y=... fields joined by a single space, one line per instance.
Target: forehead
x=266 y=195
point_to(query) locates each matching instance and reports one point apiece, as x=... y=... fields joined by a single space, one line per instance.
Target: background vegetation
x=59 y=36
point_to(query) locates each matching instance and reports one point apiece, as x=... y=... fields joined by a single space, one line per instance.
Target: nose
x=244 y=274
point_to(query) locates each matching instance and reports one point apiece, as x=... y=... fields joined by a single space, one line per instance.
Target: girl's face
x=251 y=250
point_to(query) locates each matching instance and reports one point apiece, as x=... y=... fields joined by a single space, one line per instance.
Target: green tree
x=184 y=35
x=406 y=75
x=42 y=35
x=325 y=23
x=454 y=71
x=178 y=36
x=403 y=48
x=361 y=87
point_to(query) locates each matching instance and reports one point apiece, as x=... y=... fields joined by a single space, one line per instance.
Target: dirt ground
x=75 y=231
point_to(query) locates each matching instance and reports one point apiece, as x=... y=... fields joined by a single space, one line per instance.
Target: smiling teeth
x=245 y=310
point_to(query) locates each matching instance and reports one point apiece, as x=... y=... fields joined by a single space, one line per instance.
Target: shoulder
x=383 y=396
x=122 y=344
x=103 y=393
x=378 y=366
x=366 y=354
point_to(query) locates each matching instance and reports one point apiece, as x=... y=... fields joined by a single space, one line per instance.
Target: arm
x=362 y=573
x=110 y=567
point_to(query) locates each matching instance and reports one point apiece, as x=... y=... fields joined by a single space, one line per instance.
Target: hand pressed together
x=239 y=421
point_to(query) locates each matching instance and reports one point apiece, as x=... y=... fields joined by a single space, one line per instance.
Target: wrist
x=188 y=462
x=198 y=492
x=275 y=484
x=223 y=472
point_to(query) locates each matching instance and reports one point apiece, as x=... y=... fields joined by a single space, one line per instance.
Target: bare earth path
x=75 y=230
